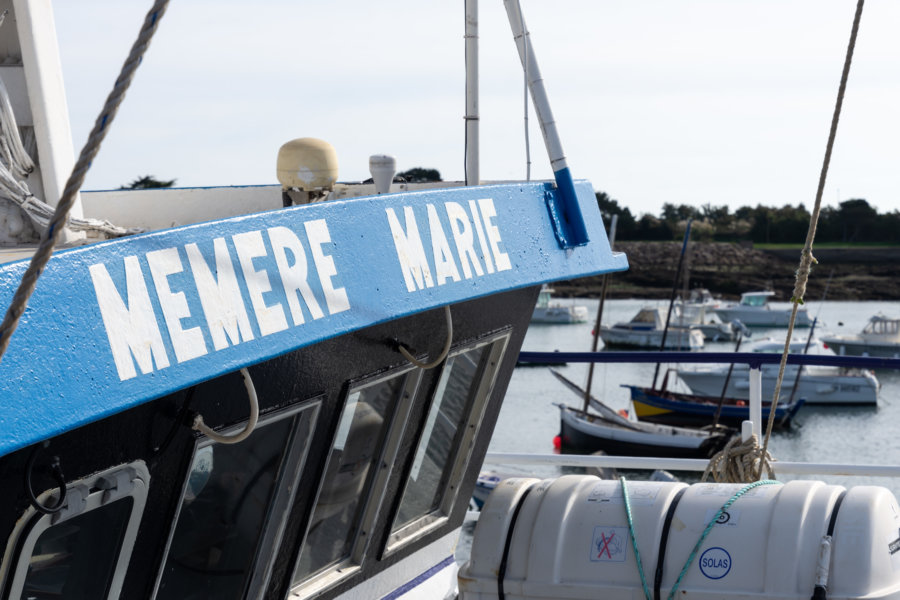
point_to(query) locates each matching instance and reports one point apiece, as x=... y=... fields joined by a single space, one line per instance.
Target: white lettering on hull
x=218 y=285
x=210 y=296
x=464 y=228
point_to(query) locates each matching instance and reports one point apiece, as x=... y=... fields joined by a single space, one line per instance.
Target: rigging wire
x=806 y=256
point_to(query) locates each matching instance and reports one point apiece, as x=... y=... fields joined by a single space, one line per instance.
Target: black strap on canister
x=663 y=539
x=501 y=572
x=820 y=591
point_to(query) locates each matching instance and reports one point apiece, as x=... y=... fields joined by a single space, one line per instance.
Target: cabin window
x=82 y=551
x=227 y=528
x=445 y=441
x=364 y=448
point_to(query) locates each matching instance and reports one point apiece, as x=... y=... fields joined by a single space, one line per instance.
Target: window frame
x=306 y=412
x=33 y=524
x=486 y=376
x=373 y=500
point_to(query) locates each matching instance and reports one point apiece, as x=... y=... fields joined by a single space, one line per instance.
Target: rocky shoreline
x=729 y=269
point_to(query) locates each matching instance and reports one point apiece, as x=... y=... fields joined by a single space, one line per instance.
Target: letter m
x=410 y=252
x=132 y=329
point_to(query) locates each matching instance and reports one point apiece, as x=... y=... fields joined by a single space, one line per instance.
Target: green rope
x=637 y=553
x=709 y=527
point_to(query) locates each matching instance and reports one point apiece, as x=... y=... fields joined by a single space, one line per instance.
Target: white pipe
x=573 y=231
x=472 y=143
x=536 y=85
x=756 y=400
x=681 y=464
x=47 y=96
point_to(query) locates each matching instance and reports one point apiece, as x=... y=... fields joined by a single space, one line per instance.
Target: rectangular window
x=224 y=528
x=364 y=447
x=82 y=551
x=445 y=442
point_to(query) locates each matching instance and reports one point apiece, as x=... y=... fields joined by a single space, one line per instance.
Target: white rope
x=203 y=428
x=446 y=350
x=16 y=164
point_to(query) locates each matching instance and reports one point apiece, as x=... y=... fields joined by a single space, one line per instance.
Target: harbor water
x=529 y=419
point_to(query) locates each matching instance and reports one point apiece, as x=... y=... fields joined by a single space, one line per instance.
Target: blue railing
x=754 y=359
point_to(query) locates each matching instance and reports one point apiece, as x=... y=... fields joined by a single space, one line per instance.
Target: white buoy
x=382 y=167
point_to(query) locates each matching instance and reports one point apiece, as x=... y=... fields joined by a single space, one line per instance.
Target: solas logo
x=715 y=563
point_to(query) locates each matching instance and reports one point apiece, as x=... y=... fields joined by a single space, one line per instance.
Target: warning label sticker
x=609 y=544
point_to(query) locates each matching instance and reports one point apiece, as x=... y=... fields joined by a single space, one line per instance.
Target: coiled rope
x=761 y=458
x=61 y=214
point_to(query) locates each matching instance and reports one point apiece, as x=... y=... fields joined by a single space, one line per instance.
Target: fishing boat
x=689 y=410
x=288 y=395
x=817 y=385
x=606 y=430
x=584 y=433
x=880 y=337
x=557 y=312
x=647 y=329
x=754 y=311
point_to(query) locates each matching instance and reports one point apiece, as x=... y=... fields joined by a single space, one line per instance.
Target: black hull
x=575 y=441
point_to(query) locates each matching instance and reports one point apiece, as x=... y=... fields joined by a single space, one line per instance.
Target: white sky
x=682 y=101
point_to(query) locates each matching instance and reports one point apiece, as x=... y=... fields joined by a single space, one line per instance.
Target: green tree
x=420 y=175
x=625 y=226
x=147 y=182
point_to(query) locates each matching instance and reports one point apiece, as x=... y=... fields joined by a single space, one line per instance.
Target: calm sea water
x=862 y=435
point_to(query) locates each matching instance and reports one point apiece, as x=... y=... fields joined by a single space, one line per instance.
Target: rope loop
x=740 y=462
x=203 y=428
x=56 y=472
x=446 y=350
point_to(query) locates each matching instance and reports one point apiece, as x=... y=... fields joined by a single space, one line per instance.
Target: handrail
x=754 y=359
x=682 y=464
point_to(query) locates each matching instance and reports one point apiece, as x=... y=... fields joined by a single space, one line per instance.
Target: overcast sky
x=694 y=102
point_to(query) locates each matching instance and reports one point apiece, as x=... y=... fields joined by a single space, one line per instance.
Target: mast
x=472 y=143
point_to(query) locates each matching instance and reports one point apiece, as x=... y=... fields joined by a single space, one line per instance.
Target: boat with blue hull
x=287 y=396
x=687 y=410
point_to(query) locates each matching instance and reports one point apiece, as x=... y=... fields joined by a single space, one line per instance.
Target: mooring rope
x=749 y=454
x=806 y=256
x=739 y=462
x=60 y=216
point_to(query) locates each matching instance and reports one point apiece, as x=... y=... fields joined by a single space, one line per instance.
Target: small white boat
x=754 y=311
x=645 y=330
x=548 y=310
x=880 y=337
x=818 y=385
x=696 y=311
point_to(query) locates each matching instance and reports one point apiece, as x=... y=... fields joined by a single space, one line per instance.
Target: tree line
x=853 y=221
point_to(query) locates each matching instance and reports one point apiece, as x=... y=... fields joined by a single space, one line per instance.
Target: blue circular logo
x=715 y=563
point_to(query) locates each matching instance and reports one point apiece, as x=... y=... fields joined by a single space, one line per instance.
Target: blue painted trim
x=418 y=580
x=566 y=212
x=754 y=359
x=62 y=370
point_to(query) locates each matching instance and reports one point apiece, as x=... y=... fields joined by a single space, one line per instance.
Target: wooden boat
x=585 y=433
x=673 y=408
x=608 y=431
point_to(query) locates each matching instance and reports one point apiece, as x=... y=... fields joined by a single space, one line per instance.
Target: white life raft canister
x=570 y=537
